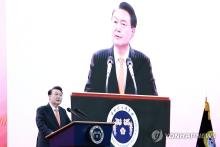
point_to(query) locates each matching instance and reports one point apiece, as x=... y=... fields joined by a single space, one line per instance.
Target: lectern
x=82 y=134
x=139 y=120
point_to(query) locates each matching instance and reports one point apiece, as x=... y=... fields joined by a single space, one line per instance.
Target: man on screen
x=51 y=116
x=121 y=69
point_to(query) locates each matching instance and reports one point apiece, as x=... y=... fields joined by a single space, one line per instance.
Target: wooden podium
x=139 y=120
x=82 y=134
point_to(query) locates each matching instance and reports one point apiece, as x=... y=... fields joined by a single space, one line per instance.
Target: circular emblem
x=126 y=127
x=96 y=134
x=209 y=139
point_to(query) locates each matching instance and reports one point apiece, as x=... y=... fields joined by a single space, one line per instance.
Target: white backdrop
x=51 y=42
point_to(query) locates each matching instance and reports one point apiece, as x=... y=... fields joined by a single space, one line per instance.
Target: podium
x=139 y=120
x=82 y=134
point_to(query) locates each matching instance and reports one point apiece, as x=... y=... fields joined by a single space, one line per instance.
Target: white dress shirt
x=53 y=108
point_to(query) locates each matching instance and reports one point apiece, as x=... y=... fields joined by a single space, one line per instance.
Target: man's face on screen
x=122 y=32
x=56 y=97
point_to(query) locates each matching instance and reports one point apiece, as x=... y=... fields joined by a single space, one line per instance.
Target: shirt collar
x=117 y=56
x=53 y=108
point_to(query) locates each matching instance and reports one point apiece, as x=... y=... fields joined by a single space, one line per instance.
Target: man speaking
x=121 y=69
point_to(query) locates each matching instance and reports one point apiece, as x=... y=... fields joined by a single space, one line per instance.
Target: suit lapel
x=61 y=117
x=129 y=88
x=113 y=83
x=52 y=115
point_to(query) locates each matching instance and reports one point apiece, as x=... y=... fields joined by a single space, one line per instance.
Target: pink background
x=3 y=89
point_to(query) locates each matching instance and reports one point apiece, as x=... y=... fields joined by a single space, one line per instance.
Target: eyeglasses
x=122 y=24
x=57 y=94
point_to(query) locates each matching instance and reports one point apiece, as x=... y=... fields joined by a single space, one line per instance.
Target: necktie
x=121 y=79
x=57 y=115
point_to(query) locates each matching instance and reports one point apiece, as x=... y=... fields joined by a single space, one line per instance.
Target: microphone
x=110 y=62
x=80 y=112
x=74 y=113
x=130 y=68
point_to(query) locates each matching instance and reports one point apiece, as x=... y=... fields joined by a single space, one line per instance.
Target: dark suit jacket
x=47 y=123
x=142 y=71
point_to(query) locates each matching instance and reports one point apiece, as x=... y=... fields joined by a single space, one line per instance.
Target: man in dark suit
x=120 y=80
x=51 y=117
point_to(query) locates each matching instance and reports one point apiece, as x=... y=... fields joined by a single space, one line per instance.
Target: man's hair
x=127 y=7
x=55 y=87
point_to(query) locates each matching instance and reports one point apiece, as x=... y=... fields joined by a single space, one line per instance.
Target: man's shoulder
x=138 y=54
x=103 y=52
x=44 y=107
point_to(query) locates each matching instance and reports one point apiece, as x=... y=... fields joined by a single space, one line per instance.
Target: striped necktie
x=57 y=115
x=121 y=78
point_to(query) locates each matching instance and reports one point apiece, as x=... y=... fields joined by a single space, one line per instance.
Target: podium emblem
x=96 y=134
x=126 y=127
